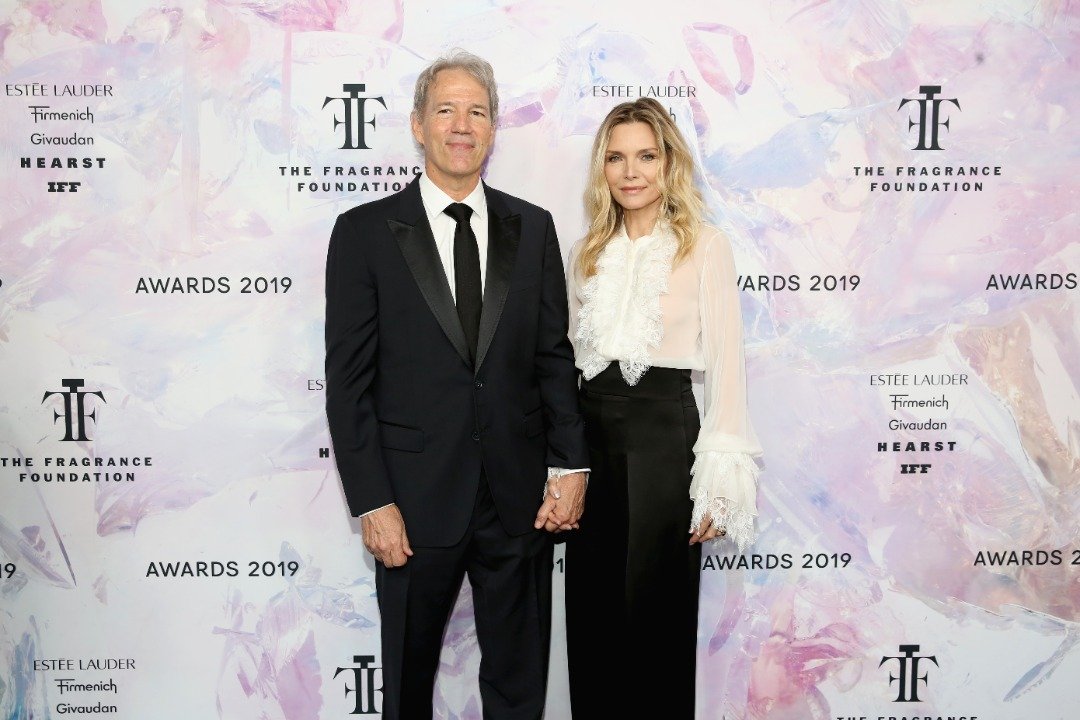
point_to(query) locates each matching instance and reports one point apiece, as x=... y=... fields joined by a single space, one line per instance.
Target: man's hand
x=384 y=536
x=564 y=504
x=569 y=491
x=706 y=531
x=543 y=517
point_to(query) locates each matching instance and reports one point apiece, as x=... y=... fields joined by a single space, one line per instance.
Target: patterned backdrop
x=898 y=181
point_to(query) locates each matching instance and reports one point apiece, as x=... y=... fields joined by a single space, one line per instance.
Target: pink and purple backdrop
x=785 y=104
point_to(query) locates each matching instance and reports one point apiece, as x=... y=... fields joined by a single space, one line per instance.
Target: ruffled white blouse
x=639 y=311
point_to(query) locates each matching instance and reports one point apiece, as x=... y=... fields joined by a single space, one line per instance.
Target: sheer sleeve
x=724 y=483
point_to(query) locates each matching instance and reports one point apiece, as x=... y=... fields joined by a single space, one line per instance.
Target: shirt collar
x=435 y=200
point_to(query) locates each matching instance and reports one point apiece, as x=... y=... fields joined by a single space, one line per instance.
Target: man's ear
x=417 y=128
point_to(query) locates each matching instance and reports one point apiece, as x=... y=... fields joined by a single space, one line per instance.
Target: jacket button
x=476 y=436
x=479 y=385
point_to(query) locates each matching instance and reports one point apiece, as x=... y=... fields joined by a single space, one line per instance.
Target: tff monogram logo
x=909 y=678
x=929 y=116
x=363 y=685
x=354 y=121
x=75 y=414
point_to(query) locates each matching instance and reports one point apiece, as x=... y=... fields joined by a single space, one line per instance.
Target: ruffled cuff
x=725 y=489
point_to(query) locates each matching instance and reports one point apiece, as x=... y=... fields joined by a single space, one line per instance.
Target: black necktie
x=467 y=291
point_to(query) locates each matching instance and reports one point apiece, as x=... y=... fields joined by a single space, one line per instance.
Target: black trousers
x=631 y=576
x=511 y=585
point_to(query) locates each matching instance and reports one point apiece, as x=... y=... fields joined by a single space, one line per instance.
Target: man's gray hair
x=457 y=59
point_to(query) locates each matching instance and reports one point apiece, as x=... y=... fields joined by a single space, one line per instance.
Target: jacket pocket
x=399 y=437
x=534 y=422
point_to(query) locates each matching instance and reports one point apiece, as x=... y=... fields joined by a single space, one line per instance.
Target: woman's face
x=631 y=166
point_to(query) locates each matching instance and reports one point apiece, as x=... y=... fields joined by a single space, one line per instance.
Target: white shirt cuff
x=378 y=508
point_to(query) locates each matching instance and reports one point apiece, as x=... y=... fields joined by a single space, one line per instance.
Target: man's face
x=455 y=128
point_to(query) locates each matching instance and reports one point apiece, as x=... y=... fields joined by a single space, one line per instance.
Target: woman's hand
x=706 y=531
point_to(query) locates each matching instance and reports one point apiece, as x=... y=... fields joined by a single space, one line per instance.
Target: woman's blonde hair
x=680 y=202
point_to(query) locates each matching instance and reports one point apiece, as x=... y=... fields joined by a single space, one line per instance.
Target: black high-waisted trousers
x=631 y=576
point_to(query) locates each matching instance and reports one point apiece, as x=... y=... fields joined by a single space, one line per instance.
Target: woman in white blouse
x=653 y=295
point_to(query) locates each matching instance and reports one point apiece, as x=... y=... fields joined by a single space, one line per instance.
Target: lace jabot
x=620 y=318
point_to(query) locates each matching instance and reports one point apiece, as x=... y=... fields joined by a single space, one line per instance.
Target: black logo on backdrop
x=909 y=678
x=75 y=414
x=364 y=687
x=354 y=121
x=929 y=116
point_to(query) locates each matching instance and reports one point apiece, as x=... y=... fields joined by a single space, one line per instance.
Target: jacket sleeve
x=351 y=341
x=555 y=369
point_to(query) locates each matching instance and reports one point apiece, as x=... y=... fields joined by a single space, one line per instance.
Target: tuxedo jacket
x=412 y=419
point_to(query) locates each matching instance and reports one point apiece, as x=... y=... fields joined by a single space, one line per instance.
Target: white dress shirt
x=443 y=226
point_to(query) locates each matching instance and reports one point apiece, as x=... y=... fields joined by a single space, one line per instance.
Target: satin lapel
x=504 y=234
x=418 y=247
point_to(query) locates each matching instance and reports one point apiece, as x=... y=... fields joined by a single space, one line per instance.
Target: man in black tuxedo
x=451 y=396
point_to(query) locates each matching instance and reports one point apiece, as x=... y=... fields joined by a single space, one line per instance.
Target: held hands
x=384 y=536
x=563 y=504
x=706 y=531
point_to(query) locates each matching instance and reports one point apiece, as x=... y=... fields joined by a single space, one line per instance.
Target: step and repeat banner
x=899 y=183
